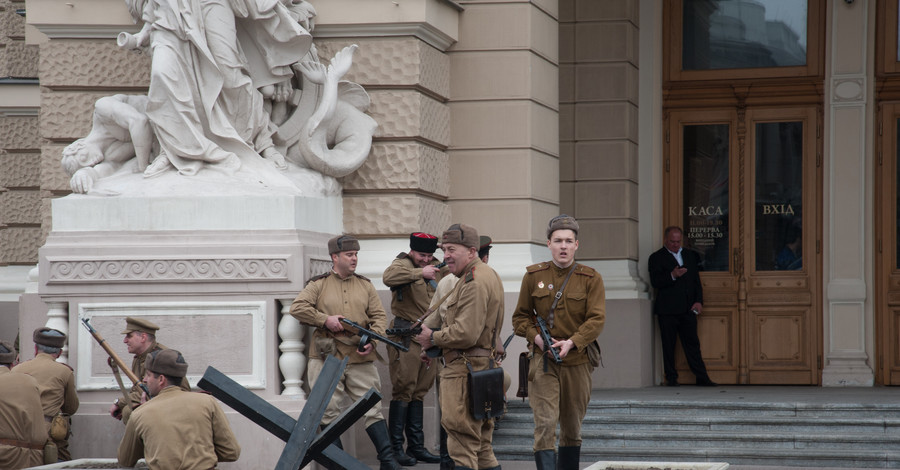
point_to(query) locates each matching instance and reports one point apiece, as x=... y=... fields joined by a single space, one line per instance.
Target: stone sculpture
x=235 y=86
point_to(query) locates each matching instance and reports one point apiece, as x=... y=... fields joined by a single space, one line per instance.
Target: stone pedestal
x=217 y=274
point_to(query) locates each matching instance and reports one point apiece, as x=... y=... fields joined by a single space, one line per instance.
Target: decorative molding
x=848 y=90
x=85 y=31
x=426 y=32
x=317 y=266
x=166 y=270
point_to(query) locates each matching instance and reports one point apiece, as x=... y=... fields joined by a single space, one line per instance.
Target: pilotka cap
x=139 y=324
x=461 y=234
x=7 y=352
x=49 y=337
x=166 y=362
x=343 y=243
x=562 y=222
x=423 y=242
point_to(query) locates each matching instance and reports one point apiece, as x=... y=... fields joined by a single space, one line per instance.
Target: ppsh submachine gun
x=116 y=360
x=366 y=336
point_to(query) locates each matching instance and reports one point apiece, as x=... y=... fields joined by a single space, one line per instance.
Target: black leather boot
x=569 y=457
x=378 y=433
x=545 y=459
x=415 y=436
x=397 y=415
x=446 y=462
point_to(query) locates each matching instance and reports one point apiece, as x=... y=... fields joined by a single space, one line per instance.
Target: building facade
x=768 y=130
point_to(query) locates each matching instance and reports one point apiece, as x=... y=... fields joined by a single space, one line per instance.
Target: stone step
x=814 y=458
x=618 y=407
x=709 y=440
x=861 y=435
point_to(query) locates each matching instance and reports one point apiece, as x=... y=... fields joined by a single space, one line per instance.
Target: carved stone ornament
x=238 y=103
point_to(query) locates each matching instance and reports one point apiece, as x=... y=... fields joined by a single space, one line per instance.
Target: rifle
x=115 y=357
x=548 y=341
x=366 y=335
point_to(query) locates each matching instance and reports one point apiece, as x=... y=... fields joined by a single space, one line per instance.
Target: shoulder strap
x=559 y=294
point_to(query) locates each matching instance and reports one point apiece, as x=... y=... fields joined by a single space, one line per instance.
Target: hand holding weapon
x=545 y=336
x=115 y=357
x=366 y=336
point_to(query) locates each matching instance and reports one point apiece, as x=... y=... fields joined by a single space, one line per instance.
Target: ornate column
x=847 y=315
x=292 y=361
x=58 y=319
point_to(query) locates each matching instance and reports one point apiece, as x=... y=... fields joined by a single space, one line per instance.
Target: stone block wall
x=404 y=185
x=599 y=124
x=20 y=193
x=505 y=112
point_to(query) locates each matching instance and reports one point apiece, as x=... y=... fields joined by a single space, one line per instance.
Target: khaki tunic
x=178 y=430
x=57 y=384
x=21 y=419
x=356 y=299
x=136 y=392
x=560 y=393
x=471 y=319
x=410 y=378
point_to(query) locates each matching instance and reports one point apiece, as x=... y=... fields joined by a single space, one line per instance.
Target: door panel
x=887 y=263
x=744 y=187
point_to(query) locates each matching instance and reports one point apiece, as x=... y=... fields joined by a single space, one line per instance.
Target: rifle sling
x=118 y=376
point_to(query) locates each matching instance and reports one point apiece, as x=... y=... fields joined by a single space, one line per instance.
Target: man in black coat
x=675 y=274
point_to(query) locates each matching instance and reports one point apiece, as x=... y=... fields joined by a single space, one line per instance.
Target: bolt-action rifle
x=115 y=357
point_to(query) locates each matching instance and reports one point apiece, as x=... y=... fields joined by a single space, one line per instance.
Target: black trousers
x=684 y=326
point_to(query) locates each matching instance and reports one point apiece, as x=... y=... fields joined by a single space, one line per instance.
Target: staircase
x=815 y=427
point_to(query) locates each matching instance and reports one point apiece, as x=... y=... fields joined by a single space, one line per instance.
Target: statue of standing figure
x=234 y=84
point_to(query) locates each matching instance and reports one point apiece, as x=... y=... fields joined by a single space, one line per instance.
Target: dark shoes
x=706 y=383
x=672 y=383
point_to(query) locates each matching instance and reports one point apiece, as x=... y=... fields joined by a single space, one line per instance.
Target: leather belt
x=15 y=443
x=454 y=354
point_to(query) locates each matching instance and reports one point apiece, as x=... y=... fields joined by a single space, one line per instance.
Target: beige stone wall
x=404 y=184
x=599 y=124
x=505 y=119
x=20 y=195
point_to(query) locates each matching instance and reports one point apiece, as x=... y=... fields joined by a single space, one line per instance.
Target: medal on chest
x=540 y=284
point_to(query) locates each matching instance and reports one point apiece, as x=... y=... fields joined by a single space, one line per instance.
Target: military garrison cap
x=562 y=222
x=166 y=362
x=342 y=243
x=7 y=352
x=422 y=242
x=461 y=234
x=49 y=337
x=139 y=324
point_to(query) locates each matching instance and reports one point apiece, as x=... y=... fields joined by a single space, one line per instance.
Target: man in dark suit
x=675 y=274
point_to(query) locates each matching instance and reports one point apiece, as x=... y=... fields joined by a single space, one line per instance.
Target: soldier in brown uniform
x=412 y=278
x=341 y=293
x=176 y=429
x=560 y=393
x=22 y=429
x=474 y=315
x=140 y=338
x=56 y=381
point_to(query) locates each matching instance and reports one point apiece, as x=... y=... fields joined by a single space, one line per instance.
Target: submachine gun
x=548 y=341
x=115 y=357
x=366 y=336
x=399 y=289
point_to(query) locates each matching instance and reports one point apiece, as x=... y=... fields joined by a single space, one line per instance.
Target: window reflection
x=779 y=196
x=731 y=34
x=706 y=193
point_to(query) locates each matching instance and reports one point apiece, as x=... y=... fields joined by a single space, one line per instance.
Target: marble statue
x=237 y=93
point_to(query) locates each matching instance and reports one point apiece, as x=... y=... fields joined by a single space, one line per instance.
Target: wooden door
x=744 y=186
x=887 y=261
